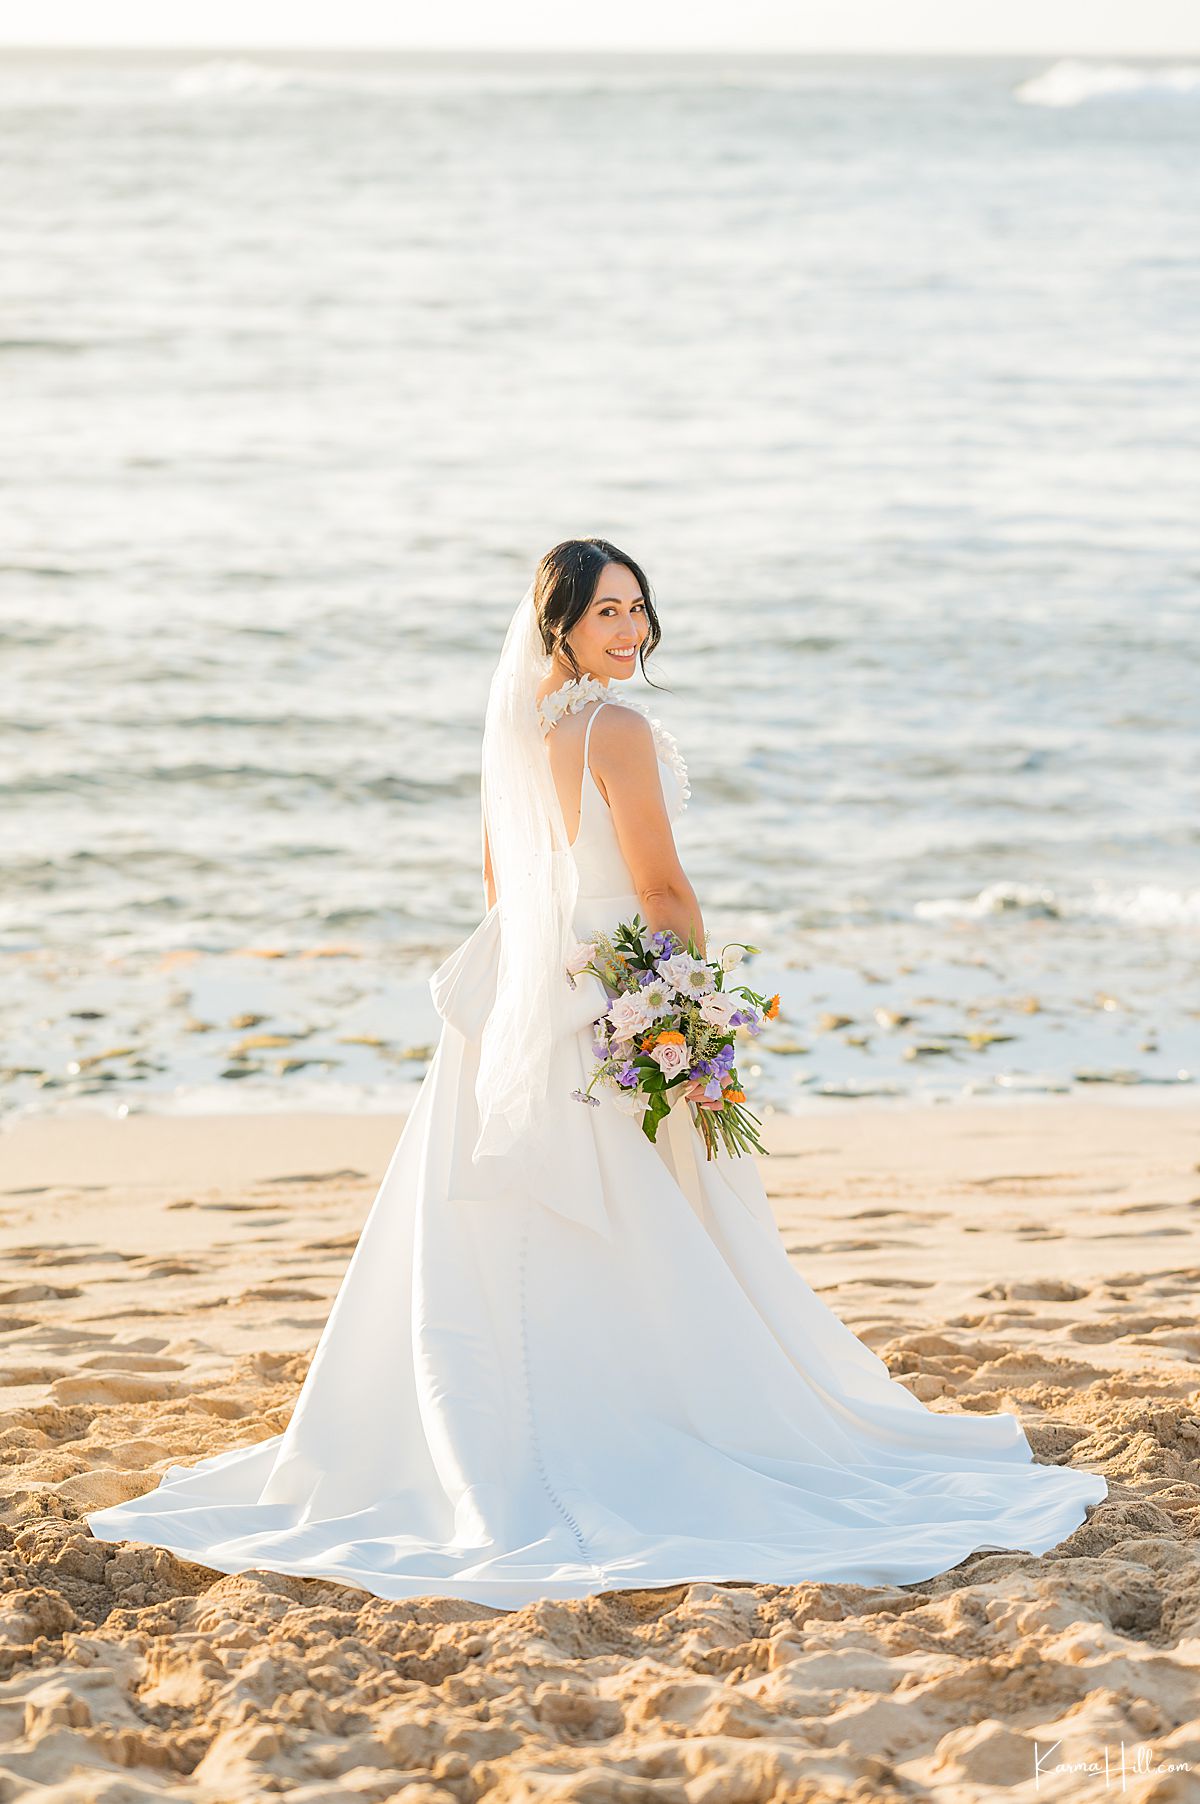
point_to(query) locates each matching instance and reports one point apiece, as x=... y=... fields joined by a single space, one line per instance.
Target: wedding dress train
x=620 y=1383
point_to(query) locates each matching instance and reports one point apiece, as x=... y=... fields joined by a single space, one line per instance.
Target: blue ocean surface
x=884 y=369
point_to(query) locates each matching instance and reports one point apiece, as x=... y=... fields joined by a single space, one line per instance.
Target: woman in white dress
x=565 y=1360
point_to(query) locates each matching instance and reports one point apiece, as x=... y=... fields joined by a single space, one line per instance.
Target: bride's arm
x=625 y=760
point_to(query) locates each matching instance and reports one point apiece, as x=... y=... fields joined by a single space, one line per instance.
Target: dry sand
x=165 y=1282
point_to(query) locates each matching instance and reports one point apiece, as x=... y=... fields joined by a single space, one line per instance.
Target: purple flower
x=581 y=1096
x=627 y=1075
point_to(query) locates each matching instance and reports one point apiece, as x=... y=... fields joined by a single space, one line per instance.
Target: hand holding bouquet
x=670 y=1029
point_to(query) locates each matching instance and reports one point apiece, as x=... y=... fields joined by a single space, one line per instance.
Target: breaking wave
x=1147 y=905
x=1071 y=82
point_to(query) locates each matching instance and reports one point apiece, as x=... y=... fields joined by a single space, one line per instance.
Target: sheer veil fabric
x=563 y=1360
x=519 y=1148
x=537 y=883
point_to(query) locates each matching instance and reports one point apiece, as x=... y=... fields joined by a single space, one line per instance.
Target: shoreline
x=89 y=1149
x=24 y=1133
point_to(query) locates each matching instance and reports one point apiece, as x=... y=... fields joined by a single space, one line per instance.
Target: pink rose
x=670 y=1057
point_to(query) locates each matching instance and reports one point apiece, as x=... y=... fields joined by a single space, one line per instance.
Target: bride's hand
x=695 y=1093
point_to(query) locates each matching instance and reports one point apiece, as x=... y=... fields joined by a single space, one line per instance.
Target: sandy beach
x=166 y=1280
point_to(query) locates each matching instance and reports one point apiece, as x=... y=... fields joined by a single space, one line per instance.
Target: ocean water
x=884 y=369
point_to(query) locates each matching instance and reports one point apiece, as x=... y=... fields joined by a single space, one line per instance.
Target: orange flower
x=648 y=1042
x=735 y=1096
x=772 y=1008
x=669 y=1037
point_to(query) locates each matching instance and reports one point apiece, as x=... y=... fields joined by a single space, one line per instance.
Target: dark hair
x=565 y=585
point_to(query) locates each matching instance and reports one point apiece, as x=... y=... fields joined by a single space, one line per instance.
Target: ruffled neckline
x=576 y=692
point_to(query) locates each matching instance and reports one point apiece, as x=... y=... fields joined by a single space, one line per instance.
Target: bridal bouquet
x=670 y=1030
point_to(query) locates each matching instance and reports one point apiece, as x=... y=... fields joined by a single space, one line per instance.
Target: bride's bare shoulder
x=623 y=734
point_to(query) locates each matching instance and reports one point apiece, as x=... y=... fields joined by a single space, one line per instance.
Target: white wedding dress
x=629 y=1385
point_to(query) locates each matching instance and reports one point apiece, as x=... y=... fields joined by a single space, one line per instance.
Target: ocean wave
x=1071 y=82
x=74 y=83
x=126 y=87
x=237 y=79
x=231 y=77
x=997 y=899
x=391 y=76
x=1147 y=905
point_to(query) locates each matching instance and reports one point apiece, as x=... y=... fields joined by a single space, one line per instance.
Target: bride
x=563 y=1359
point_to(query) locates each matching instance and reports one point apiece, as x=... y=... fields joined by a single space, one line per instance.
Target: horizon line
x=699 y=50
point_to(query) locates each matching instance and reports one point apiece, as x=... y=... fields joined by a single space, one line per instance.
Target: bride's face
x=607 y=638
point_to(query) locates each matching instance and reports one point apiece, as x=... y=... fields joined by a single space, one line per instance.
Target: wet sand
x=165 y=1281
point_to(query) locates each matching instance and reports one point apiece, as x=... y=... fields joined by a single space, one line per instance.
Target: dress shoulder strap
x=588 y=732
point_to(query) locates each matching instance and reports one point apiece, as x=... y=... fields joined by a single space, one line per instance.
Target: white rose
x=628 y=1015
x=716 y=1008
x=689 y=976
x=581 y=954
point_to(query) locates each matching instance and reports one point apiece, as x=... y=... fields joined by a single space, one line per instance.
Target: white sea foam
x=996 y=899
x=1071 y=82
x=1147 y=905
x=224 y=77
x=243 y=79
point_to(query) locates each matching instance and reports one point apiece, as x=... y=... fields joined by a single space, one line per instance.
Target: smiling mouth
x=626 y=656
